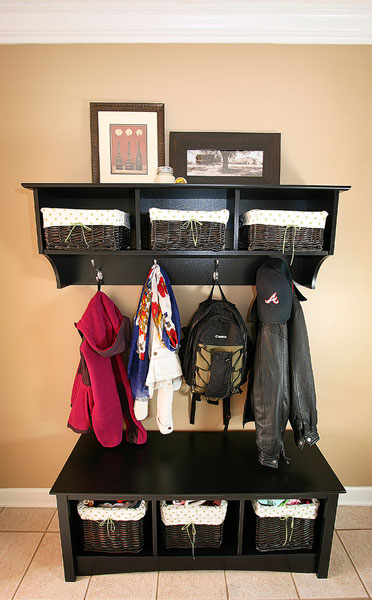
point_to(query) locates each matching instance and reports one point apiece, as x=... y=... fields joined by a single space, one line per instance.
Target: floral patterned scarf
x=158 y=302
x=155 y=298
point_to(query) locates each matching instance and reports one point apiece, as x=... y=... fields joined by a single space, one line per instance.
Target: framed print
x=127 y=141
x=213 y=157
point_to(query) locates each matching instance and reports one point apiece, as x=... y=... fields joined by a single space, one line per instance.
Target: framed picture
x=214 y=157
x=127 y=142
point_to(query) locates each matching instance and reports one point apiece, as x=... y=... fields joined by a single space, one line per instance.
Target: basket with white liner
x=188 y=229
x=85 y=229
x=112 y=527
x=285 y=526
x=192 y=524
x=282 y=230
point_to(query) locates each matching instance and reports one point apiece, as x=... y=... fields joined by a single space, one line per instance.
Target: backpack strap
x=226 y=412
x=195 y=397
x=226 y=409
x=220 y=288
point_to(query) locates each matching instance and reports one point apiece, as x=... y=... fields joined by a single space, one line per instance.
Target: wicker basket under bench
x=187 y=229
x=282 y=230
x=285 y=527
x=112 y=530
x=205 y=520
x=82 y=229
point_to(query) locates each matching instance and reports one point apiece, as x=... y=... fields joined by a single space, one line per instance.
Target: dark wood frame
x=181 y=141
x=96 y=107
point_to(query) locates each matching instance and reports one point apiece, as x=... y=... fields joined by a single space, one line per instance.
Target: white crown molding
x=39 y=497
x=185 y=21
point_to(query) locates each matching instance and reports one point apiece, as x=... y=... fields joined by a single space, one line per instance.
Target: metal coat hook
x=99 y=276
x=215 y=273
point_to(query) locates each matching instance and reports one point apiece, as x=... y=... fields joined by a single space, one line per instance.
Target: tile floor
x=31 y=568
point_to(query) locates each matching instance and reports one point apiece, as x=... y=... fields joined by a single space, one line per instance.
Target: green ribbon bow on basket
x=192 y=222
x=82 y=231
x=187 y=528
x=110 y=525
x=293 y=240
x=287 y=537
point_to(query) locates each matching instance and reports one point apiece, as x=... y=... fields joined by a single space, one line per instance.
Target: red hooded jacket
x=101 y=395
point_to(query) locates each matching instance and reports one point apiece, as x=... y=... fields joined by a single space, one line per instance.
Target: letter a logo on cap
x=274 y=291
x=273 y=298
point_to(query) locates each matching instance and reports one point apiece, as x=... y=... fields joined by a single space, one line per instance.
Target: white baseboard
x=27 y=497
x=356 y=496
x=39 y=497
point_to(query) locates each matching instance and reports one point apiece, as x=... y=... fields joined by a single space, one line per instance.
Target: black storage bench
x=194 y=465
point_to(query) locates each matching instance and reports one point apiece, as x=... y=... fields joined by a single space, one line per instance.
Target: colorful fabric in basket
x=212 y=216
x=295 y=218
x=297 y=511
x=199 y=514
x=96 y=513
x=59 y=217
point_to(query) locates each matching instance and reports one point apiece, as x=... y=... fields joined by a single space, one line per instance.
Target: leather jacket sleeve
x=270 y=393
x=303 y=414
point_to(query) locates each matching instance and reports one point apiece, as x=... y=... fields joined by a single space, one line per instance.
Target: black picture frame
x=261 y=149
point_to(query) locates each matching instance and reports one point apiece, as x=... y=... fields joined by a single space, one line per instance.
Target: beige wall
x=318 y=97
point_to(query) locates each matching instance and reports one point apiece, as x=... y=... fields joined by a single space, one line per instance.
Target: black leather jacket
x=281 y=386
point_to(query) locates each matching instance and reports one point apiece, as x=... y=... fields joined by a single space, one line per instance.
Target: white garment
x=141 y=408
x=164 y=417
x=165 y=375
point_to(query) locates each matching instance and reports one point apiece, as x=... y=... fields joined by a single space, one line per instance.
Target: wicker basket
x=289 y=529
x=206 y=536
x=77 y=229
x=111 y=530
x=282 y=230
x=183 y=526
x=188 y=230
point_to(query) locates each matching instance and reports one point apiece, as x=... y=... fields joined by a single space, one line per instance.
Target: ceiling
x=186 y=21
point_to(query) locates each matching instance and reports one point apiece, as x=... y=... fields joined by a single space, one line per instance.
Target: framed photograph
x=213 y=157
x=127 y=141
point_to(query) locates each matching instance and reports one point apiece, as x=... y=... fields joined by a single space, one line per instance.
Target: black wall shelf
x=130 y=267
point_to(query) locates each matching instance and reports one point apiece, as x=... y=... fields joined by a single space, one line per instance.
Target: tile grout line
x=295 y=586
x=51 y=519
x=353 y=529
x=26 y=531
x=44 y=530
x=30 y=562
x=157 y=586
x=227 y=587
x=86 y=591
x=352 y=562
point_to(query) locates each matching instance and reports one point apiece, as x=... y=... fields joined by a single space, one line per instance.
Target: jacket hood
x=104 y=327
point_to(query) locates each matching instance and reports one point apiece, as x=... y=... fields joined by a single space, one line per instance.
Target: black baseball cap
x=274 y=291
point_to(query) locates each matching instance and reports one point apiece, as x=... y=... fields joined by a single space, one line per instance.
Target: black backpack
x=215 y=353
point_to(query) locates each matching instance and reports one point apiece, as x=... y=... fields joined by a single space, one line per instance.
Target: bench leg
x=328 y=524
x=66 y=541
